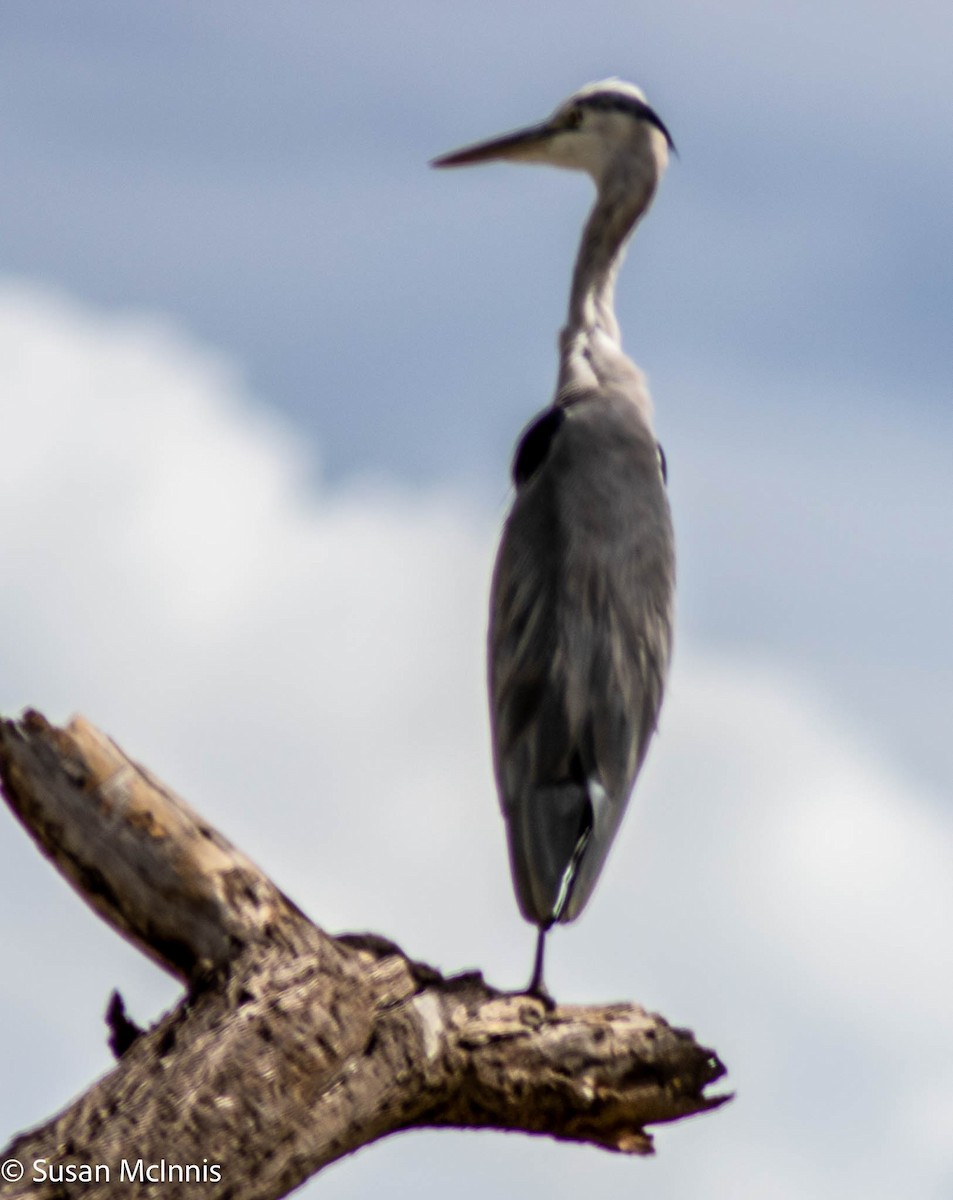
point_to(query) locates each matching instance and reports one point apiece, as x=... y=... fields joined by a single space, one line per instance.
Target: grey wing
x=580 y=635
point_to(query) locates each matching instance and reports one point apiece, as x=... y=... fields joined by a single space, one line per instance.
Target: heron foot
x=539 y=991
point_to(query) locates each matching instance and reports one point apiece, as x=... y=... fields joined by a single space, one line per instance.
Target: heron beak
x=525 y=145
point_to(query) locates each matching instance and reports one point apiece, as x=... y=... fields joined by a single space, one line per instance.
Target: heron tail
x=548 y=834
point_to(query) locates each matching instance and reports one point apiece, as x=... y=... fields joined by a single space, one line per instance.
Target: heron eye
x=573 y=118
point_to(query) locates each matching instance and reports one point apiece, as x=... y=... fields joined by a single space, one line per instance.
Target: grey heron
x=582 y=596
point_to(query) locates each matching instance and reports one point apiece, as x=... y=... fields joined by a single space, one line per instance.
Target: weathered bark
x=293 y=1048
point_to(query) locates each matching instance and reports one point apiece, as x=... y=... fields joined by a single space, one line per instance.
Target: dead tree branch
x=293 y=1048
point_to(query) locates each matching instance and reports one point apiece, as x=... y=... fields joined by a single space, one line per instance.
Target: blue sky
x=263 y=370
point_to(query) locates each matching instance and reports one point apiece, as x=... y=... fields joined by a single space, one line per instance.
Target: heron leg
x=536 y=985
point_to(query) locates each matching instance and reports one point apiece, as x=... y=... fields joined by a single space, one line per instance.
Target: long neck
x=592 y=331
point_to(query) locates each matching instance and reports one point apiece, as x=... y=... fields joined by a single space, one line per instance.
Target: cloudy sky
x=261 y=371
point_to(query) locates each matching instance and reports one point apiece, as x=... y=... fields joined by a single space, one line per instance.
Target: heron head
x=603 y=126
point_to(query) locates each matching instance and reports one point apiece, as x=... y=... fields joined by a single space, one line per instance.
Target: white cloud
x=305 y=665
